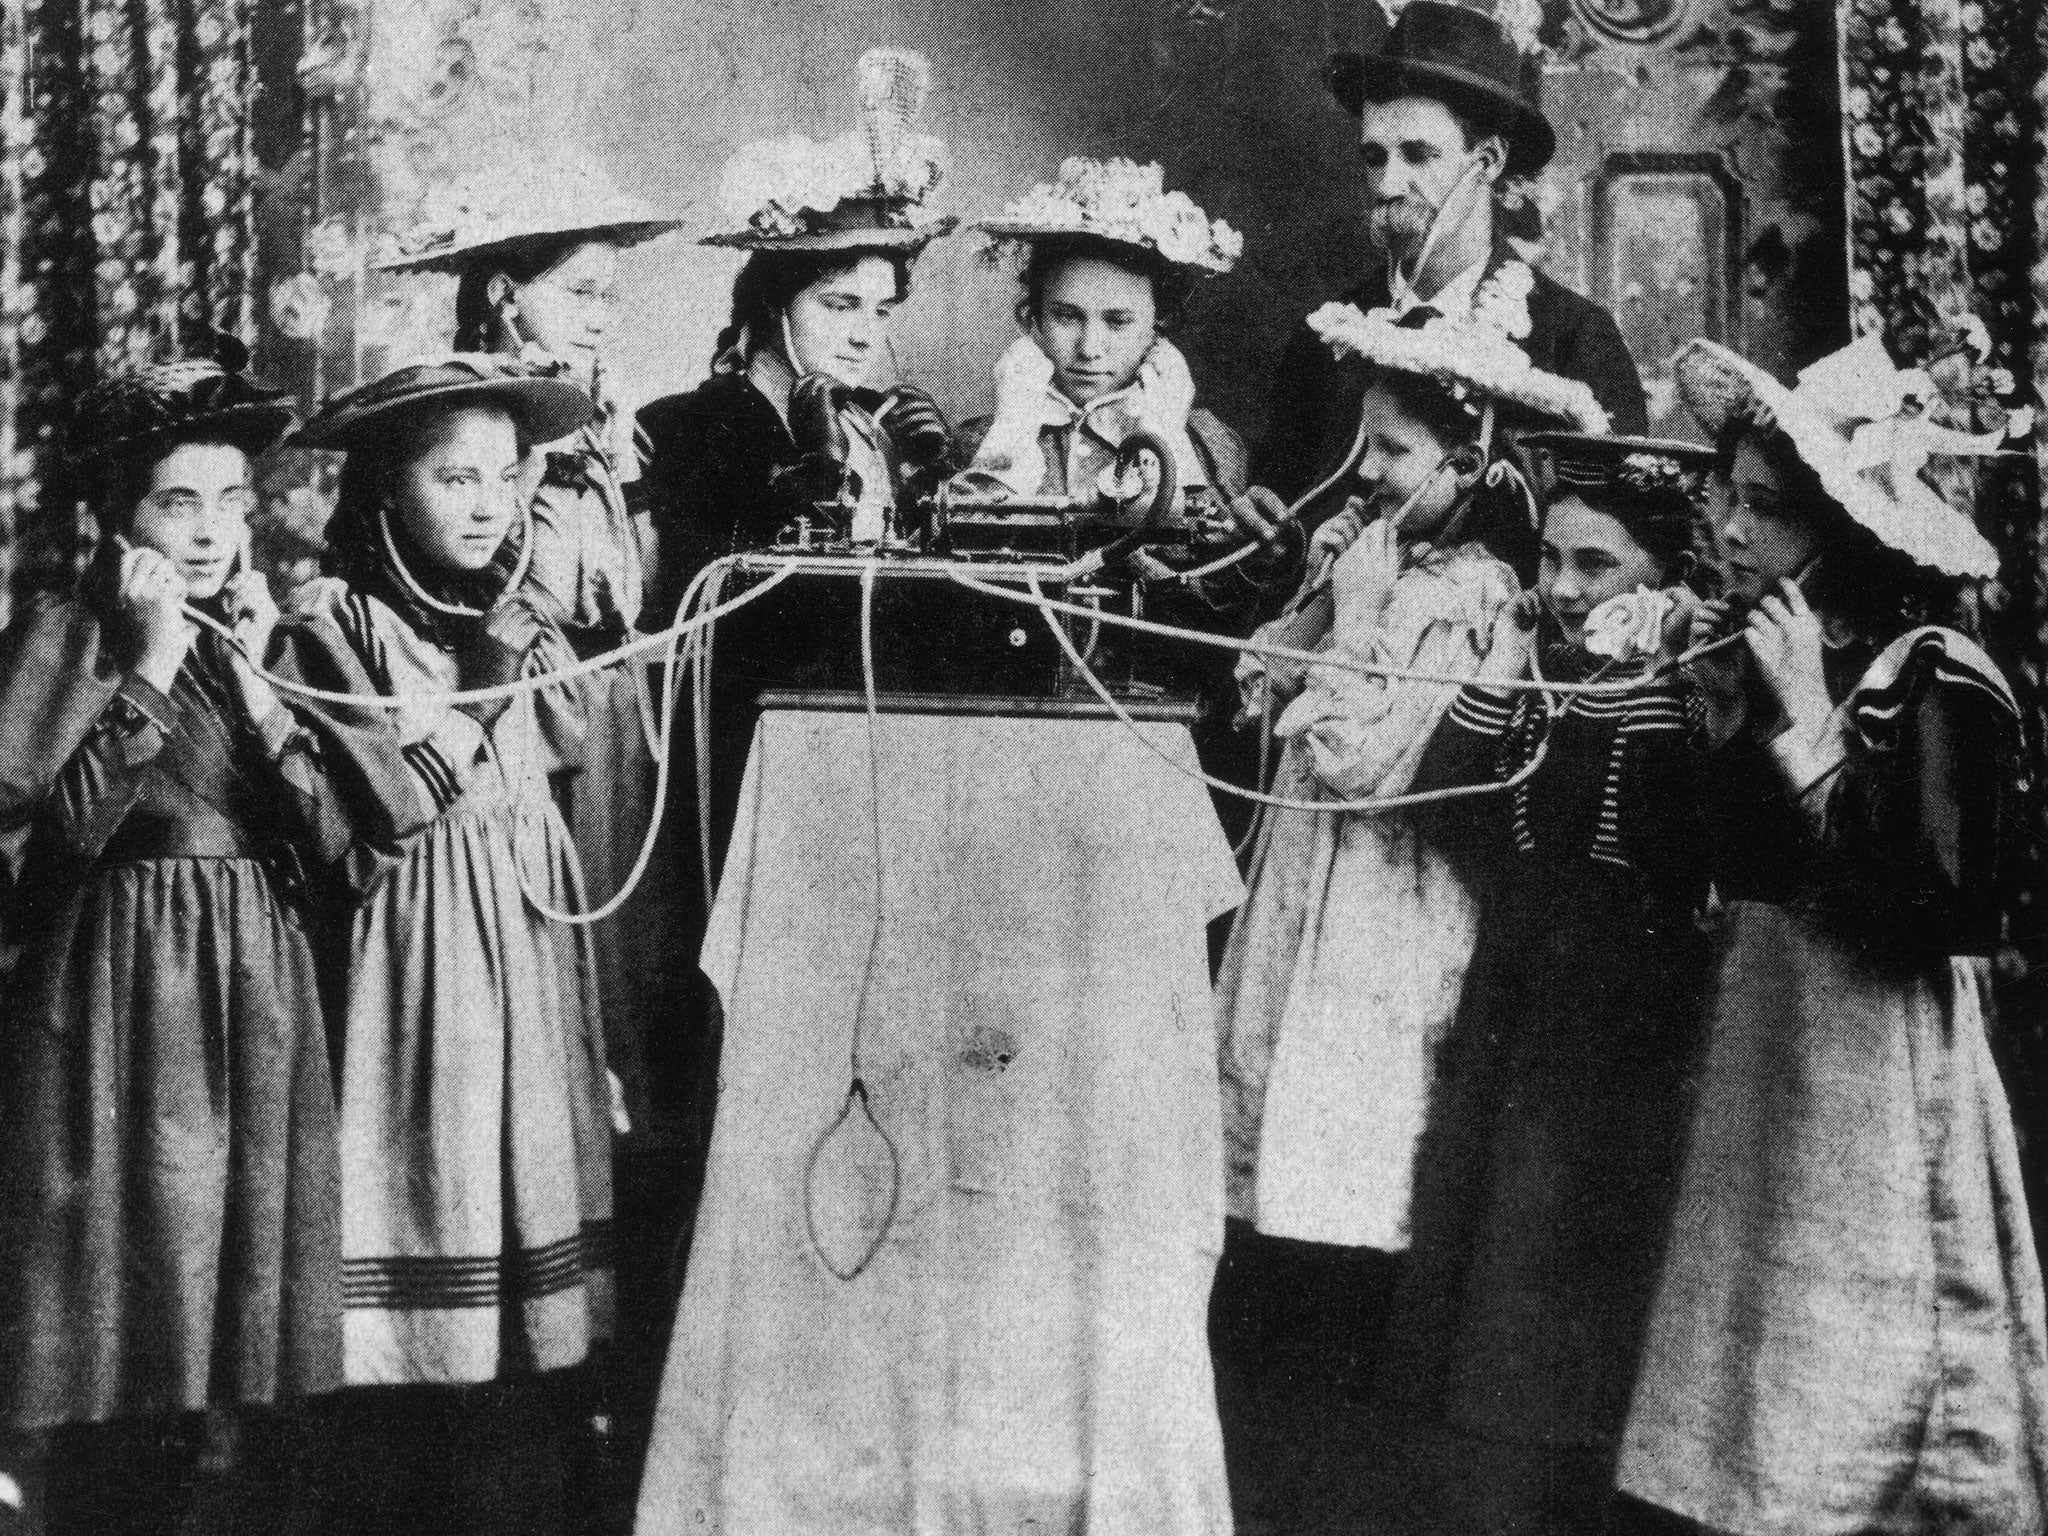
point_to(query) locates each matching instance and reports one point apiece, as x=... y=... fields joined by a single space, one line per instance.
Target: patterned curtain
x=125 y=218
x=1944 y=110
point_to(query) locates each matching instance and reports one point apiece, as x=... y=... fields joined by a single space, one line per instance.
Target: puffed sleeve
x=1916 y=832
x=1365 y=734
x=378 y=796
x=1465 y=749
x=76 y=735
x=1662 y=815
x=706 y=484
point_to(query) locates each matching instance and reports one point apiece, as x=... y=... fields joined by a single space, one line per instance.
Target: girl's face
x=1398 y=455
x=1095 y=322
x=568 y=309
x=457 y=494
x=1589 y=557
x=196 y=513
x=1763 y=541
x=839 y=325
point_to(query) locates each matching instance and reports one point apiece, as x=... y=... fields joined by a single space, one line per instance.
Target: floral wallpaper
x=126 y=218
x=1944 y=126
x=403 y=99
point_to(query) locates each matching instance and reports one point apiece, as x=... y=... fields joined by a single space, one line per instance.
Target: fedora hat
x=1458 y=56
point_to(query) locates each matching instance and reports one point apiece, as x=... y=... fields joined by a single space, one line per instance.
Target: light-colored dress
x=476 y=1183
x=1849 y=1335
x=1345 y=966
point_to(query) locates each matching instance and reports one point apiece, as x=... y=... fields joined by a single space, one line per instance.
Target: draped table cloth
x=1026 y=1350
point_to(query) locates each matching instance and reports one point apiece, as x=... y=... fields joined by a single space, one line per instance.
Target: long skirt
x=169 y=1198
x=1849 y=1334
x=1544 y=1183
x=476 y=1161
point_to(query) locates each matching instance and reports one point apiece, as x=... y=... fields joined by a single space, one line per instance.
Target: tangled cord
x=696 y=620
x=689 y=644
x=1379 y=805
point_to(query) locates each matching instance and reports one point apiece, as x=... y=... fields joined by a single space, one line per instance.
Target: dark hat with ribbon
x=1456 y=55
x=546 y=405
x=1630 y=465
x=202 y=396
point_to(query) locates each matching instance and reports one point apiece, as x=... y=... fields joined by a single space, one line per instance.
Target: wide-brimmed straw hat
x=863 y=191
x=1123 y=203
x=1466 y=358
x=1456 y=55
x=513 y=207
x=160 y=404
x=546 y=405
x=1861 y=424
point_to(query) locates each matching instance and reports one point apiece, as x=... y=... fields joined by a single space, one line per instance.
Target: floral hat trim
x=517 y=204
x=1634 y=464
x=1116 y=200
x=1865 y=428
x=787 y=191
x=1465 y=356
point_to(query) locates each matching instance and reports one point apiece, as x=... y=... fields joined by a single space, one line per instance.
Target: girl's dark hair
x=116 y=487
x=476 y=317
x=1857 y=578
x=1173 y=288
x=1665 y=520
x=1496 y=515
x=771 y=280
x=355 y=546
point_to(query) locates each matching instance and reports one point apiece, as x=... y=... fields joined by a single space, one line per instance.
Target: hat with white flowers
x=512 y=206
x=1867 y=429
x=1473 y=362
x=1121 y=202
x=863 y=191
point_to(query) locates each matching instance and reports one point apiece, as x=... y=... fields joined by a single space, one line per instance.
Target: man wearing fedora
x=1442 y=118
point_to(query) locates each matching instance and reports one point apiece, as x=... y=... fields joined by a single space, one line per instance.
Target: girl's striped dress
x=476 y=1185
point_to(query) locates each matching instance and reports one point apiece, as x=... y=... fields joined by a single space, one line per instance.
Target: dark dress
x=1849 y=1335
x=1315 y=396
x=706 y=486
x=169 y=1193
x=1545 y=1177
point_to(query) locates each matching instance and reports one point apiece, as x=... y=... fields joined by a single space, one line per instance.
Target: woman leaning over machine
x=1849 y=1333
x=169 y=1200
x=801 y=407
x=1108 y=262
x=1345 y=965
x=476 y=1170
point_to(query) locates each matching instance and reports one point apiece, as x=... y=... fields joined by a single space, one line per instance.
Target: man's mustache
x=1403 y=218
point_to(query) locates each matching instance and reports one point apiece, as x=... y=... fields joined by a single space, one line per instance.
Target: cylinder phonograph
x=940 y=645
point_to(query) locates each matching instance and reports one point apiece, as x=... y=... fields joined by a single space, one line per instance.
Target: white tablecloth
x=1027 y=1350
